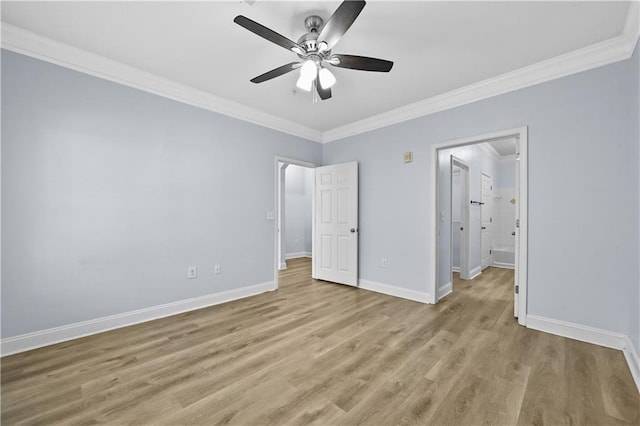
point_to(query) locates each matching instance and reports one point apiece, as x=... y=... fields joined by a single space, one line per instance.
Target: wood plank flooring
x=320 y=353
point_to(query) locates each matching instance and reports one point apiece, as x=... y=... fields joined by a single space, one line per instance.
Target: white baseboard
x=633 y=360
x=282 y=266
x=583 y=333
x=391 y=290
x=503 y=265
x=455 y=269
x=475 y=272
x=445 y=290
x=593 y=335
x=25 y=342
x=297 y=255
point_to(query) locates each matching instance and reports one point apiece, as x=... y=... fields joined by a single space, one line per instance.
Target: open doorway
x=294 y=215
x=459 y=176
x=495 y=233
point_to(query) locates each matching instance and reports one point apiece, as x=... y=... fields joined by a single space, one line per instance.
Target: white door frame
x=276 y=224
x=521 y=134
x=465 y=269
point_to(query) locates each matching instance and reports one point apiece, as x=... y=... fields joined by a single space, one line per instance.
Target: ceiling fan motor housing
x=309 y=41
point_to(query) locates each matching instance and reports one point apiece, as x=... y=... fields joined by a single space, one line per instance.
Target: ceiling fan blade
x=340 y=22
x=268 y=34
x=276 y=72
x=324 y=93
x=362 y=63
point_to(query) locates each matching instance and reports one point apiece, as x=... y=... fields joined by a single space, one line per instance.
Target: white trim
x=633 y=360
x=603 y=53
x=25 y=342
x=523 y=230
x=282 y=266
x=575 y=331
x=592 y=335
x=465 y=272
x=631 y=30
x=503 y=265
x=31 y=44
x=392 y=290
x=432 y=259
x=276 y=196
x=510 y=157
x=296 y=255
x=475 y=273
x=455 y=269
x=445 y=290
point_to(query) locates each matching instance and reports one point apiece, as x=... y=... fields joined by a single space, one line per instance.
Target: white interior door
x=336 y=223
x=486 y=212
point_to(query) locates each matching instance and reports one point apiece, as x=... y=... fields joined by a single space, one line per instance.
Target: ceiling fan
x=314 y=49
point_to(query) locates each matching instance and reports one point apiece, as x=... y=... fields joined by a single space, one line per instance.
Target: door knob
x=352 y=230
x=484 y=227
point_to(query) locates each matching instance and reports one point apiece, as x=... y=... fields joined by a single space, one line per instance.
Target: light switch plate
x=192 y=272
x=271 y=216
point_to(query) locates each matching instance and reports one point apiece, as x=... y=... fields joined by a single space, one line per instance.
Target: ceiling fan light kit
x=314 y=49
x=327 y=79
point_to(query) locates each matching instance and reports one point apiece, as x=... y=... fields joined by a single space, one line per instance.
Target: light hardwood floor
x=321 y=353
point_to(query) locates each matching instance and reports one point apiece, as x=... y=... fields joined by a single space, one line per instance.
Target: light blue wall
x=506 y=174
x=634 y=291
x=298 y=193
x=583 y=220
x=110 y=193
x=479 y=162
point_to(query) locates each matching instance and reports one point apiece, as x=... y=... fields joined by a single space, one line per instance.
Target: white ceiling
x=436 y=46
x=504 y=147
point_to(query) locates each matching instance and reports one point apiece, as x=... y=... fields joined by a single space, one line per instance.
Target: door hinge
x=490 y=220
x=490 y=251
x=517 y=289
x=517 y=223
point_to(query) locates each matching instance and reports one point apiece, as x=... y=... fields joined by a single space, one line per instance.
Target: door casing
x=277 y=212
x=521 y=259
x=465 y=269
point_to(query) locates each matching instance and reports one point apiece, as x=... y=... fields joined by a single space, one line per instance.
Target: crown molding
x=606 y=52
x=34 y=45
x=603 y=53
x=631 y=29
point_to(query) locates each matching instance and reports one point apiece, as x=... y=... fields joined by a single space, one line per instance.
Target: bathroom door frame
x=465 y=269
x=522 y=204
x=278 y=207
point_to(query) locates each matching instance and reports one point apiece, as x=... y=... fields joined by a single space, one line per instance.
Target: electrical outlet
x=217 y=270
x=383 y=262
x=192 y=272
